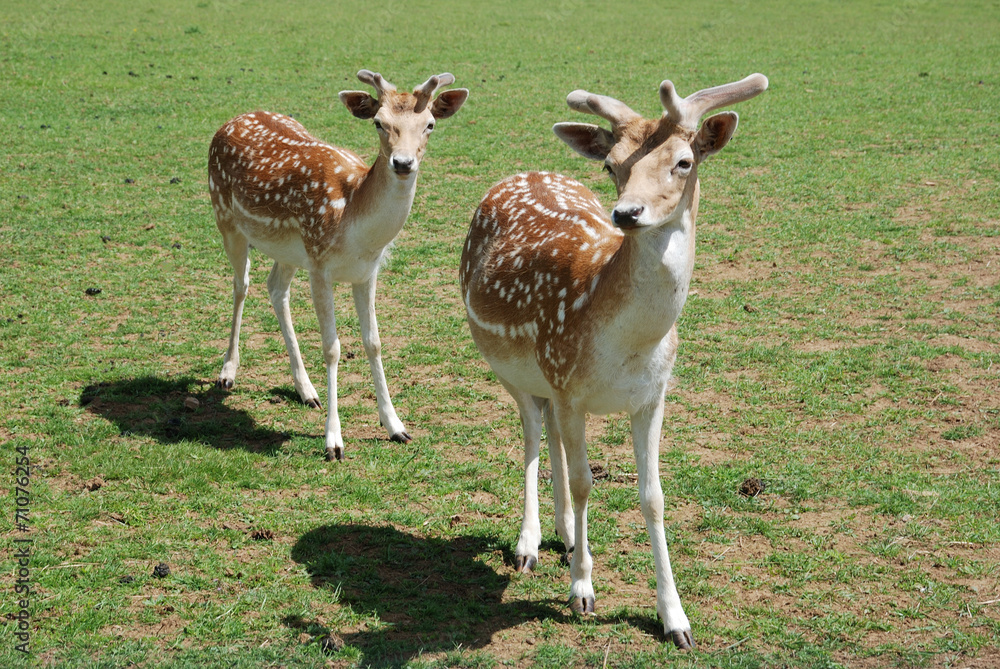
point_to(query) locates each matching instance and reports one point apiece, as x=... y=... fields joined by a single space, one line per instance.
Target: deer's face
x=403 y=121
x=654 y=164
x=403 y=133
x=654 y=168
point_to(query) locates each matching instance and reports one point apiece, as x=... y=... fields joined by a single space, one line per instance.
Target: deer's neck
x=380 y=204
x=652 y=271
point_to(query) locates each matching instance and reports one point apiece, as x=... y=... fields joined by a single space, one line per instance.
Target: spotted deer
x=305 y=203
x=576 y=311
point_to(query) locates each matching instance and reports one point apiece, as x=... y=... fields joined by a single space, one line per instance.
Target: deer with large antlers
x=307 y=204
x=576 y=311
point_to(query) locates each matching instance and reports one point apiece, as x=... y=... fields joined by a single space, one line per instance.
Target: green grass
x=840 y=343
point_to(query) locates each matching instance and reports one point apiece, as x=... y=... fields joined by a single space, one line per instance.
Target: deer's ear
x=590 y=141
x=715 y=133
x=360 y=104
x=449 y=102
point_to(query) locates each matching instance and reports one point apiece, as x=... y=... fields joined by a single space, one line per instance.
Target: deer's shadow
x=155 y=407
x=428 y=594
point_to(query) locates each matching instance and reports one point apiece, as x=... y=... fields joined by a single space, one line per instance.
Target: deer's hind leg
x=279 y=284
x=238 y=251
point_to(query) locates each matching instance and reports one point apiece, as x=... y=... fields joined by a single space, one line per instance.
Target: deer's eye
x=430 y=127
x=607 y=168
x=378 y=125
x=684 y=165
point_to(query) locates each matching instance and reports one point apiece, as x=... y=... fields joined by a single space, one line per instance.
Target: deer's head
x=654 y=163
x=404 y=120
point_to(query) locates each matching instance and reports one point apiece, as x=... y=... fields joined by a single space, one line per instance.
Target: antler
x=688 y=111
x=600 y=105
x=425 y=91
x=375 y=80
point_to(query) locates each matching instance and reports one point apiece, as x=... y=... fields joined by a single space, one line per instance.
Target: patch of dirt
x=837 y=587
x=165 y=629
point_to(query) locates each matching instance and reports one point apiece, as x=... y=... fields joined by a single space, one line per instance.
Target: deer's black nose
x=402 y=165
x=626 y=217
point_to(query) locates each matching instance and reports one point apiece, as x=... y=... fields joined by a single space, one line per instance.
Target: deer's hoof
x=225 y=384
x=401 y=438
x=525 y=564
x=682 y=639
x=335 y=453
x=313 y=403
x=582 y=605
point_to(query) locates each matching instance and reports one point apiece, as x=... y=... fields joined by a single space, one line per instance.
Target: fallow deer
x=305 y=203
x=576 y=311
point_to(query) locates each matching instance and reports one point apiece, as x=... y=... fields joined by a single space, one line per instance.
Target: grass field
x=841 y=344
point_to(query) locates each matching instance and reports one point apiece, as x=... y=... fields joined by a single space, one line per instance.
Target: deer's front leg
x=646 y=426
x=364 y=303
x=322 y=295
